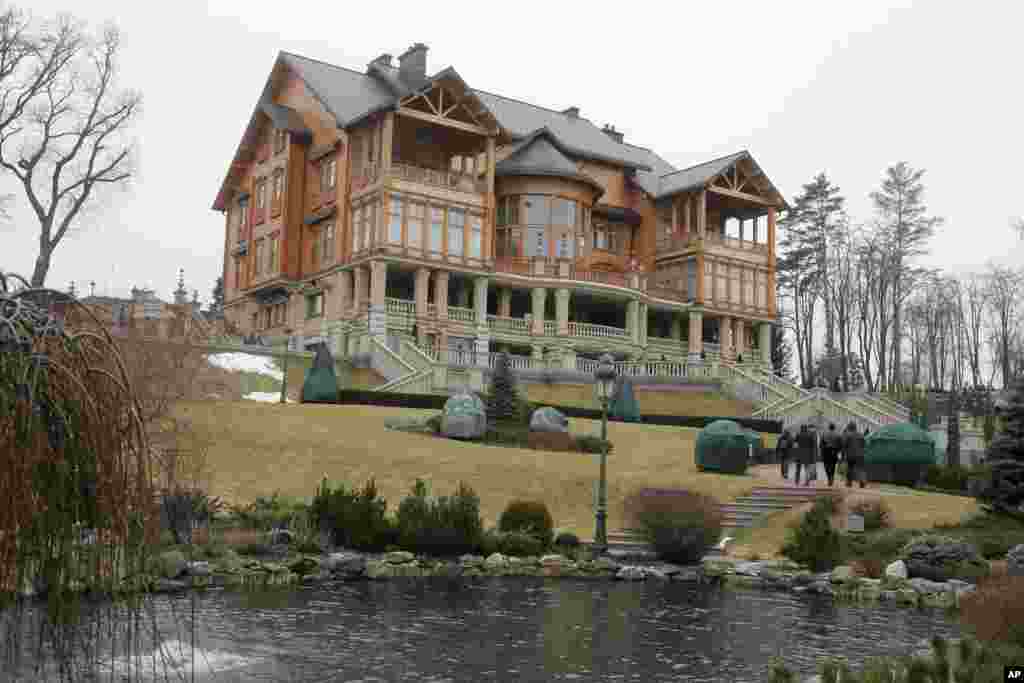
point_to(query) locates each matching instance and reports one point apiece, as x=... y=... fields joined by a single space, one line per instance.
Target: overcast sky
x=842 y=87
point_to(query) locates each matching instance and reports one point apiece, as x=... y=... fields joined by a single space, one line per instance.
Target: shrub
x=448 y=525
x=520 y=544
x=883 y=546
x=529 y=516
x=812 y=541
x=182 y=509
x=257 y=549
x=503 y=402
x=940 y=558
x=948 y=477
x=995 y=611
x=266 y=513
x=588 y=443
x=828 y=503
x=490 y=542
x=567 y=539
x=870 y=567
x=433 y=424
x=875 y=512
x=681 y=525
x=355 y=519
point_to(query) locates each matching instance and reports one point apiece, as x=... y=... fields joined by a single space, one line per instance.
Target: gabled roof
x=701 y=175
x=581 y=137
x=287 y=119
x=346 y=94
x=542 y=154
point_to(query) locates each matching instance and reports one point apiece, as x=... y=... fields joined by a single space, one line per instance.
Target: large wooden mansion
x=368 y=204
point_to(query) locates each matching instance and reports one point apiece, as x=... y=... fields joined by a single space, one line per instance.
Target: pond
x=527 y=630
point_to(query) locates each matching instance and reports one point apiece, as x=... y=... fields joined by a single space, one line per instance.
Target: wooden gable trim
x=728 y=192
x=423 y=116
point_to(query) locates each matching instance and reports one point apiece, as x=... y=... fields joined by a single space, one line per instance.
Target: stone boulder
x=496 y=561
x=349 y=563
x=940 y=558
x=399 y=557
x=379 y=569
x=464 y=417
x=198 y=569
x=1015 y=561
x=548 y=419
x=897 y=570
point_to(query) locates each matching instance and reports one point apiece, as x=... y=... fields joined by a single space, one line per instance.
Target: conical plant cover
x=321 y=382
x=722 y=446
x=624 y=405
x=902 y=443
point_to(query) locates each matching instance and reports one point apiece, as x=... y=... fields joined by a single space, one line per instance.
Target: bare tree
x=973 y=314
x=900 y=206
x=1003 y=293
x=63 y=122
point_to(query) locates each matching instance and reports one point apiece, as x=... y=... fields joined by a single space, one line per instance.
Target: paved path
x=770 y=475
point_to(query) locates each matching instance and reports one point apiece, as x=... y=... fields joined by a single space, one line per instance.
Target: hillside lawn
x=259 y=448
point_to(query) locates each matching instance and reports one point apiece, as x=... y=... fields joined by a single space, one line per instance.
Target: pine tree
x=782 y=353
x=503 y=403
x=217 y=300
x=953 y=431
x=1005 y=491
x=624 y=406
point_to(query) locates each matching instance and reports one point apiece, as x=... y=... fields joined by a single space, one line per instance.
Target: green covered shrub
x=948 y=477
x=354 y=519
x=490 y=542
x=812 y=541
x=502 y=401
x=882 y=546
x=624 y=406
x=940 y=558
x=447 y=525
x=680 y=525
x=530 y=516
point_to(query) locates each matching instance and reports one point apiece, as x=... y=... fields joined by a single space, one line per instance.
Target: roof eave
x=576 y=152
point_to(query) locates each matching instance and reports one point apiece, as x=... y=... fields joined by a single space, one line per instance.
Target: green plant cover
x=901 y=443
x=624 y=405
x=722 y=446
x=321 y=382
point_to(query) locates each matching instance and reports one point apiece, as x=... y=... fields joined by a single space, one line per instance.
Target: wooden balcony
x=673 y=244
x=565 y=269
x=441 y=178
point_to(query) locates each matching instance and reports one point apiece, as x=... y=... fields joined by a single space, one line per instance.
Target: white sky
x=841 y=87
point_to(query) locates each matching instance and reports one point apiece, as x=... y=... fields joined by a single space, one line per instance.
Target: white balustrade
x=598 y=331
x=518 y=325
x=465 y=315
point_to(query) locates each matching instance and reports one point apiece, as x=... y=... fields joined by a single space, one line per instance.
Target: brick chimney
x=412 y=64
x=383 y=60
x=572 y=112
x=610 y=131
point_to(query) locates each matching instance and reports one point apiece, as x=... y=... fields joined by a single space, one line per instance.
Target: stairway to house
x=744 y=512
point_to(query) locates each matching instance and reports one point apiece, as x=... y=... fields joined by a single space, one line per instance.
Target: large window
x=328 y=174
x=243 y=212
x=537 y=209
x=709 y=281
x=327 y=243
x=414 y=212
x=608 y=238
x=436 y=229
x=357 y=227
x=456 y=231
x=272 y=264
x=475 y=236
x=259 y=257
x=369 y=224
x=563 y=212
x=280 y=140
x=261 y=194
x=395 y=221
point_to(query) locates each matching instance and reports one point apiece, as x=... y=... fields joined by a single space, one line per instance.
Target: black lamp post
x=604 y=383
x=284 y=379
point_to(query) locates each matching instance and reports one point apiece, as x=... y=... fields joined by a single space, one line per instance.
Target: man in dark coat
x=784 y=448
x=853 y=450
x=831 y=446
x=807 y=455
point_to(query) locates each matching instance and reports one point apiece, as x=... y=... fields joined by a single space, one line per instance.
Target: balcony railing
x=453 y=180
x=597 y=331
x=564 y=269
x=402 y=307
x=465 y=315
x=364 y=175
x=516 y=325
x=668 y=243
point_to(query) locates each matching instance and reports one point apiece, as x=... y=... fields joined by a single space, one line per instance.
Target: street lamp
x=604 y=382
x=284 y=379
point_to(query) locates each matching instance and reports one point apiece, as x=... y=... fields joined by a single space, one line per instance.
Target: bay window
x=395 y=221
x=475 y=236
x=436 y=229
x=414 y=224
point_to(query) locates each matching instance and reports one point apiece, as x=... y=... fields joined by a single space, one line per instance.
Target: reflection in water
x=530 y=630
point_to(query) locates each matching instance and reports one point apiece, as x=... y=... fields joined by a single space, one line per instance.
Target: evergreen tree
x=782 y=353
x=953 y=431
x=503 y=403
x=217 y=301
x=1005 y=491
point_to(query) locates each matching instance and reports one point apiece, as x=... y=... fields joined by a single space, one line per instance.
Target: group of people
x=804 y=448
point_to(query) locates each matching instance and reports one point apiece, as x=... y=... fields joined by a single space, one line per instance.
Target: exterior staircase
x=744 y=512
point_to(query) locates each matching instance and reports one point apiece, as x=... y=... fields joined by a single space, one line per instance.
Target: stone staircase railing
x=388 y=364
x=821 y=408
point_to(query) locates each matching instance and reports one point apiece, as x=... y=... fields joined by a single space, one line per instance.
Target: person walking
x=853 y=449
x=806 y=456
x=784 y=448
x=831 y=445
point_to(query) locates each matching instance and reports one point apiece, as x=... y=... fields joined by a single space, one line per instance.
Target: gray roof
x=578 y=135
x=540 y=154
x=348 y=95
x=695 y=176
x=286 y=118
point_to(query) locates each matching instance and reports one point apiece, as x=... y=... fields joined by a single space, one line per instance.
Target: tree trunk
x=42 y=266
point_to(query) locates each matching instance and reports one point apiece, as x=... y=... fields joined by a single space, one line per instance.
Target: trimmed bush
x=448 y=525
x=680 y=525
x=588 y=443
x=529 y=516
x=354 y=519
x=503 y=402
x=940 y=558
x=828 y=503
x=876 y=513
x=882 y=546
x=812 y=541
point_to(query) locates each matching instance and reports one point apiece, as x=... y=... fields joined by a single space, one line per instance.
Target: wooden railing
x=452 y=180
x=672 y=243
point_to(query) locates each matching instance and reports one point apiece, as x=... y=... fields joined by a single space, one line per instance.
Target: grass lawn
x=258 y=448
x=910 y=509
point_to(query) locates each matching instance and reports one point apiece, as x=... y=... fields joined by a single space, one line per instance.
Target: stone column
x=633 y=320
x=642 y=312
x=725 y=340
x=462 y=299
x=483 y=330
x=539 y=295
x=568 y=358
x=345 y=294
x=739 y=335
x=378 y=306
x=696 y=339
x=360 y=279
x=505 y=302
x=764 y=341
x=441 y=296
x=677 y=327
x=421 y=289
x=562 y=311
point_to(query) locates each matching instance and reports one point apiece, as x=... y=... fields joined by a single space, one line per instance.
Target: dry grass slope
x=258 y=448
x=696 y=401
